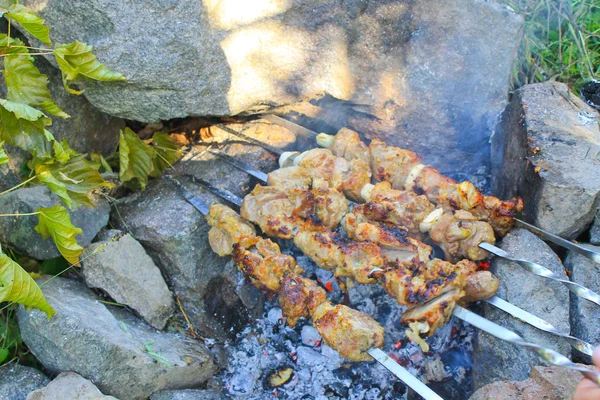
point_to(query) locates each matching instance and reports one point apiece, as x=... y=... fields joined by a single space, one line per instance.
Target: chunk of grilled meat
x=294 y=177
x=261 y=261
x=327 y=170
x=393 y=241
x=398 y=207
x=299 y=298
x=391 y=164
x=428 y=317
x=347 y=144
x=480 y=285
x=349 y=331
x=459 y=235
x=324 y=206
x=277 y=211
x=414 y=283
x=332 y=251
x=271 y=209
x=403 y=169
x=227 y=228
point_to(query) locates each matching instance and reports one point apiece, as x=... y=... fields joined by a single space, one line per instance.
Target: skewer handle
x=539 y=323
x=500 y=332
x=403 y=374
x=544 y=272
x=591 y=252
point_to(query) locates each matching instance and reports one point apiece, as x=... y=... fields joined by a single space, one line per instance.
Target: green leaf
x=101 y=162
x=9 y=45
x=27 y=85
x=61 y=155
x=79 y=178
x=3 y=355
x=76 y=59
x=3 y=155
x=56 y=186
x=24 y=126
x=136 y=158
x=30 y=21
x=55 y=222
x=167 y=153
x=17 y=286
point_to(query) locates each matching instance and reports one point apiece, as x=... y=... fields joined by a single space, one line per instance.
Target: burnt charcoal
x=591 y=94
x=337 y=389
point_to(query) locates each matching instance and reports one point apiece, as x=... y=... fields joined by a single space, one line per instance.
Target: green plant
x=73 y=177
x=561 y=41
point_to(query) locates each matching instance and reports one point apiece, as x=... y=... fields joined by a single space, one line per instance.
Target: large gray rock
x=547 y=150
x=548 y=383
x=225 y=57
x=19 y=233
x=595 y=230
x=189 y=394
x=17 y=381
x=585 y=315
x=213 y=293
x=119 y=353
x=122 y=268
x=495 y=359
x=69 y=385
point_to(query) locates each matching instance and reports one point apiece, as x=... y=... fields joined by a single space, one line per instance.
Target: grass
x=561 y=42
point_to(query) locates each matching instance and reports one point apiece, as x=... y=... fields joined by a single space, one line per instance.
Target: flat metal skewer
x=591 y=252
x=540 y=324
x=379 y=355
x=544 y=272
x=500 y=332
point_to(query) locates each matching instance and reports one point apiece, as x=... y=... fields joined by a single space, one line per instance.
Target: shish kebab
x=479 y=322
x=355 y=335
x=454 y=196
x=356 y=147
x=482 y=285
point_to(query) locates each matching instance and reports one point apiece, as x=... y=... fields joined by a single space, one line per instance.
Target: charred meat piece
x=271 y=209
x=347 y=144
x=391 y=164
x=459 y=235
x=393 y=241
x=332 y=251
x=426 y=318
x=412 y=283
x=480 y=285
x=349 y=331
x=500 y=213
x=299 y=297
x=277 y=211
x=327 y=170
x=261 y=261
x=324 y=206
x=398 y=207
x=227 y=229
x=288 y=178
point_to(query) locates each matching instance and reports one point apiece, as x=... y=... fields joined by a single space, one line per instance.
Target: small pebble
x=275 y=316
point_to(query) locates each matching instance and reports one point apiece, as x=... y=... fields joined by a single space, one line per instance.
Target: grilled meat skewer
x=458 y=233
x=348 y=331
x=403 y=169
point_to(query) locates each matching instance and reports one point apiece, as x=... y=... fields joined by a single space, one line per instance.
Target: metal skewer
x=589 y=251
x=379 y=355
x=544 y=272
x=500 y=332
x=539 y=323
